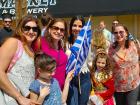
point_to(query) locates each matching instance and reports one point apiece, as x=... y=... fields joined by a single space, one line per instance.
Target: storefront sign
x=33 y=6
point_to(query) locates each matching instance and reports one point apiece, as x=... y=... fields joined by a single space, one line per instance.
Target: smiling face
x=100 y=63
x=76 y=27
x=57 y=31
x=30 y=31
x=120 y=34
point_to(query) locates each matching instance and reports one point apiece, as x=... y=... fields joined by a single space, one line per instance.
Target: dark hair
x=44 y=62
x=20 y=27
x=78 y=17
x=46 y=18
x=6 y=15
x=112 y=28
x=48 y=36
x=127 y=41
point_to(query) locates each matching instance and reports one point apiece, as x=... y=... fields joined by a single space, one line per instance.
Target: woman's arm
x=7 y=51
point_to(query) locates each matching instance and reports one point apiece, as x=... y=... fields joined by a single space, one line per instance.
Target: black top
x=5 y=33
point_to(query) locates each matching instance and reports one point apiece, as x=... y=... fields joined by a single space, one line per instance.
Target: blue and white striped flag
x=80 y=49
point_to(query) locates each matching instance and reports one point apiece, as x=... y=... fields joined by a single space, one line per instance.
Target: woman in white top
x=17 y=65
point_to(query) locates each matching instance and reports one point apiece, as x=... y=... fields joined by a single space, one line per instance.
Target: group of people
x=33 y=66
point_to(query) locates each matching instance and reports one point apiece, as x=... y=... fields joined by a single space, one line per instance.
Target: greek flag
x=80 y=48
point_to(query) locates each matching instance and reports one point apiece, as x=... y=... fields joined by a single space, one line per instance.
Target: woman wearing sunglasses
x=53 y=45
x=125 y=55
x=17 y=65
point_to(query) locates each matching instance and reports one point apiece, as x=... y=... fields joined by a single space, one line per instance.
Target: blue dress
x=54 y=98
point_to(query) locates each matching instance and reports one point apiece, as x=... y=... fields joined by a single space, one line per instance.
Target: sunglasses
x=28 y=28
x=62 y=30
x=119 y=32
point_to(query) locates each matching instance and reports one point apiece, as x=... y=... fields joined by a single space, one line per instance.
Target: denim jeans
x=127 y=98
x=74 y=96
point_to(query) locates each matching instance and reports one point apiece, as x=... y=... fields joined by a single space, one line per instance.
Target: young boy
x=45 y=89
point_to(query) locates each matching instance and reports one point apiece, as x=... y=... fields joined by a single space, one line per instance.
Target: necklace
x=101 y=76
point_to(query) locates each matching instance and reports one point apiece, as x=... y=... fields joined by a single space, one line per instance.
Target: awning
x=67 y=8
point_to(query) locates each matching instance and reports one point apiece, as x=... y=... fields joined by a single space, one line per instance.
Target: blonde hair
x=98 y=40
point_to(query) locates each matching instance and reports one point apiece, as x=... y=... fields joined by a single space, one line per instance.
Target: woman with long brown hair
x=17 y=65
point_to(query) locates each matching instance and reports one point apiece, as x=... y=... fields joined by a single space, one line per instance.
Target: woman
x=52 y=44
x=126 y=71
x=17 y=66
x=75 y=97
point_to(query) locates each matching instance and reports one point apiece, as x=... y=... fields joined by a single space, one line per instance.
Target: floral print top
x=126 y=70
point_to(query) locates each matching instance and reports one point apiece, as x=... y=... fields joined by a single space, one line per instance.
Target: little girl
x=102 y=80
x=45 y=89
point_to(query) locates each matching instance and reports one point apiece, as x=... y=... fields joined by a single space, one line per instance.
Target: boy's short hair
x=6 y=15
x=44 y=62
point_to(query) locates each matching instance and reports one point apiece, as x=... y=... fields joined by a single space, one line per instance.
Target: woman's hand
x=25 y=101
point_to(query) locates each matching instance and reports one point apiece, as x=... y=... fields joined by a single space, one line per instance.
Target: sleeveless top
x=22 y=73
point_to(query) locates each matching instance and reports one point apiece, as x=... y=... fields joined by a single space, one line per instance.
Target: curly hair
x=108 y=66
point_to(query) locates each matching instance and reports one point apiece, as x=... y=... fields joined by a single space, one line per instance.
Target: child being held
x=102 y=80
x=45 y=89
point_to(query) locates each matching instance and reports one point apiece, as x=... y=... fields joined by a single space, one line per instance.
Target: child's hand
x=69 y=76
x=44 y=91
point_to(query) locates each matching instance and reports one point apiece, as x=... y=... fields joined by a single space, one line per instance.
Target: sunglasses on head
x=57 y=28
x=119 y=32
x=28 y=28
